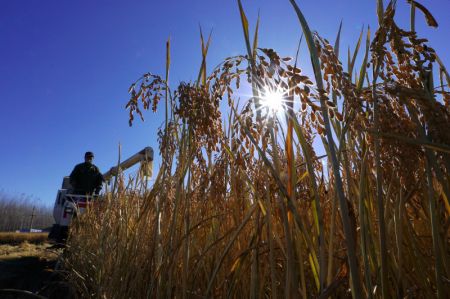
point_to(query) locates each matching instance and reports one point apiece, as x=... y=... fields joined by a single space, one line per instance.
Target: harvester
x=68 y=206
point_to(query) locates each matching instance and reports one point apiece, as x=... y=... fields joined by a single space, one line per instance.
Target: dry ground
x=26 y=266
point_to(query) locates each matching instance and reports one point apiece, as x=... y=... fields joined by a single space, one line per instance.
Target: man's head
x=88 y=157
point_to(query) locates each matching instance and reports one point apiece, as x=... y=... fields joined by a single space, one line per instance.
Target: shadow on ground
x=32 y=277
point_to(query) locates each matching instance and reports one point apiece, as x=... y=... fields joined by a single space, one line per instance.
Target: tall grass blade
x=338 y=40
x=317 y=205
x=250 y=53
x=349 y=237
x=167 y=85
x=355 y=53
x=439 y=273
x=227 y=248
x=255 y=39
x=362 y=72
x=205 y=47
x=245 y=28
x=380 y=11
x=412 y=17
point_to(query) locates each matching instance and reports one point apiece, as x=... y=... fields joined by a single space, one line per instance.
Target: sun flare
x=273 y=99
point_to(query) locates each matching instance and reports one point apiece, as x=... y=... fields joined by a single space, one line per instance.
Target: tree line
x=20 y=212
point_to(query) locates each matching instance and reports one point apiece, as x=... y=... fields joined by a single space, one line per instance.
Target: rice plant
x=245 y=206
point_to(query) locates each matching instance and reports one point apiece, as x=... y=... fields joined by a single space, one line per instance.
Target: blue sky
x=65 y=68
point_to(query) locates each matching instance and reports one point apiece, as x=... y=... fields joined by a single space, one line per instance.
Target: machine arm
x=144 y=156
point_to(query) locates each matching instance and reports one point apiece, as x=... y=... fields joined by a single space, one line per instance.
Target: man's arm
x=74 y=176
x=99 y=181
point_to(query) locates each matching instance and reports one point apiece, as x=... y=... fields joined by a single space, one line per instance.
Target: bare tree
x=23 y=212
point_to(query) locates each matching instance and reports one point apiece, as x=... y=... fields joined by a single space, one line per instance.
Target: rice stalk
x=245 y=204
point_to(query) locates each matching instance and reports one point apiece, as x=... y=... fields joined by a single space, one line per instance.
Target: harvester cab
x=68 y=206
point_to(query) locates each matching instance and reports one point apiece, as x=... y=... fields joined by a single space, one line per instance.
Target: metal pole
x=32 y=216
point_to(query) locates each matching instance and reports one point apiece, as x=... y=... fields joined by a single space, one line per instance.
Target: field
x=19 y=238
x=27 y=264
x=340 y=190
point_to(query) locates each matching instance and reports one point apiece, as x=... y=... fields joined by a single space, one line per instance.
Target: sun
x=272 y=99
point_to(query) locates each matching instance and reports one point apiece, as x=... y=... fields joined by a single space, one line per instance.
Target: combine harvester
x=67 y=205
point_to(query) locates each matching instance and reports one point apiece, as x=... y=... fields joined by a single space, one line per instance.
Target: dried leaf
x=431 y=21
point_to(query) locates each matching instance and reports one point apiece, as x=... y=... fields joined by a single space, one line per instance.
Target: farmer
x=86 y=178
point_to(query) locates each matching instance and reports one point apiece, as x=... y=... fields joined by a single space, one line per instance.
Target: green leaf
x=255 y=39
x=362 y=71
x=202 y=71
x=337 y=42
x=355 y=53
x=244 y=22
x=311 y=46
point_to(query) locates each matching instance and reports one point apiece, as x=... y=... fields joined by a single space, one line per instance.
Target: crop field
x=329 y=185
x=18 y=238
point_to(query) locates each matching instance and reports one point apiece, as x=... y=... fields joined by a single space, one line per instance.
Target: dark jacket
x=86 y=179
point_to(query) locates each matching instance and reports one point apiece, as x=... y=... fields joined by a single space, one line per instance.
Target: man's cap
x=89 y=154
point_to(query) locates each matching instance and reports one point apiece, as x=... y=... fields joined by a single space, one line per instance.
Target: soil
x=28 y=271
